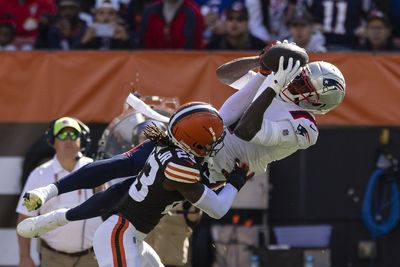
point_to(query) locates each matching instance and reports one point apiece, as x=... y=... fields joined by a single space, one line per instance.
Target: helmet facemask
x=301 y=89
x=319 y=88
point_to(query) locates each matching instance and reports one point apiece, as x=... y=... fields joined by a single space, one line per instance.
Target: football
x=271 y=57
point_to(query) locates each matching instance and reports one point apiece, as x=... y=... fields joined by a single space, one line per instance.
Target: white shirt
x=286 y=128
x=75 y=236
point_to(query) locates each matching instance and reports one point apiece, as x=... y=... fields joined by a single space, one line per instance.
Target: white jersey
x=285 y=129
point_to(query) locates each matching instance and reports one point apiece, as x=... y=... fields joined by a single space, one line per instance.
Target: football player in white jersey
x=271 y=116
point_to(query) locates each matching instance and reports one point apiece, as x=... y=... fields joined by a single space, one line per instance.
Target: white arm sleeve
x=217 y=205
x=241 y=82
x=274 y=133
x=236 y=104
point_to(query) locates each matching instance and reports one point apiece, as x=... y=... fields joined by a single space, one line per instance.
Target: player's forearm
x=100 y=203
x=250 y=123
x=93 y=174
x=233 y=70
x=234 y=107
x=102 y=171
x=215 y=205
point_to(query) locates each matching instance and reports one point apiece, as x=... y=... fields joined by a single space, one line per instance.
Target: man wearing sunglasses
x=66 y=136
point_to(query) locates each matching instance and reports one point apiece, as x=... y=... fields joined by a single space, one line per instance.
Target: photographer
x=106 y=32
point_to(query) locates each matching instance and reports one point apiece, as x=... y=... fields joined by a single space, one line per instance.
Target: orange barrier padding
x=40 y=86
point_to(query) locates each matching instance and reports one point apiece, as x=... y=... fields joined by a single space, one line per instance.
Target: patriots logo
x=301 y=130
x=331 y=84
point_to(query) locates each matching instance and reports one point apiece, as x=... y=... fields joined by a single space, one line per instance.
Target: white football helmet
x=319 y=88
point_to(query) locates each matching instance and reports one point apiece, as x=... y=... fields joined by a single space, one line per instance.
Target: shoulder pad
x=305 y=128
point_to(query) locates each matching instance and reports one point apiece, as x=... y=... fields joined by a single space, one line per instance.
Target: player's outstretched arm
x=250 y=123
x=215 y=205
x=234 y=107
x=92 y=175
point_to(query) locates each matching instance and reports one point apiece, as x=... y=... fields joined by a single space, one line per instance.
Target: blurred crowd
x=316 y=25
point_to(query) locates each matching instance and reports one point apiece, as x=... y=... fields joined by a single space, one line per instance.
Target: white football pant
x=117 y=243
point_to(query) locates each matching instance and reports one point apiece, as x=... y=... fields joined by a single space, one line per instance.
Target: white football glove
x=284 y=76
x=287 y=42
x=35 y=198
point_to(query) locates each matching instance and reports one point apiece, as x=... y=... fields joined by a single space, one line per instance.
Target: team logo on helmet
x=319 y=88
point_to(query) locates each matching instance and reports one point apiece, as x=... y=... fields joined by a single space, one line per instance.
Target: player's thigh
x=115 y=245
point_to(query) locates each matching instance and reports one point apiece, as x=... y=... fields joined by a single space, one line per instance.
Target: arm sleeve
x=99 y=172
x=100 y=203
x=236 y=104
x=275 y=133
x=217 y=205
x=302 y=133
x=242 y=81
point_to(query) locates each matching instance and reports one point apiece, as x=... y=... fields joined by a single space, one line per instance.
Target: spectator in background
x=26 y=15
x=340 y=21
x=7 y=37
x=212 y=11
x=67 y=30
x=58 y=249
x=236 y=35
x=378 y=33
x=133 y=18
x=392 y=9
x=303 y=34
x=268 y=19
x=172 y=24
x=107 y=32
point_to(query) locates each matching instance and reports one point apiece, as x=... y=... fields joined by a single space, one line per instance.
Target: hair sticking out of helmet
x=319 y=88
x=197 y=128
x=138 y=131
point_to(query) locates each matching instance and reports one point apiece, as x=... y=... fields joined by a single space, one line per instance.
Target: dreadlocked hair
x=155 y=134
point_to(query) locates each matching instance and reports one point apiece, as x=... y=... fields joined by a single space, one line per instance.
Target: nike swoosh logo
x=311 y=126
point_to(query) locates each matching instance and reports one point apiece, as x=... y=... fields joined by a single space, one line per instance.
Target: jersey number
x=329 y=26
x=139 y=189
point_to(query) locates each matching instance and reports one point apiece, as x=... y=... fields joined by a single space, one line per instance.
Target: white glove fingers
x=290 y=64
x=295 y=70
x=281 y=61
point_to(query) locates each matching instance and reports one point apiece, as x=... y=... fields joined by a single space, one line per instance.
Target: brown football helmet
x=197 y=128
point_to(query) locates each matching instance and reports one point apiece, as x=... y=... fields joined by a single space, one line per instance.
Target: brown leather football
x=271 y=57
